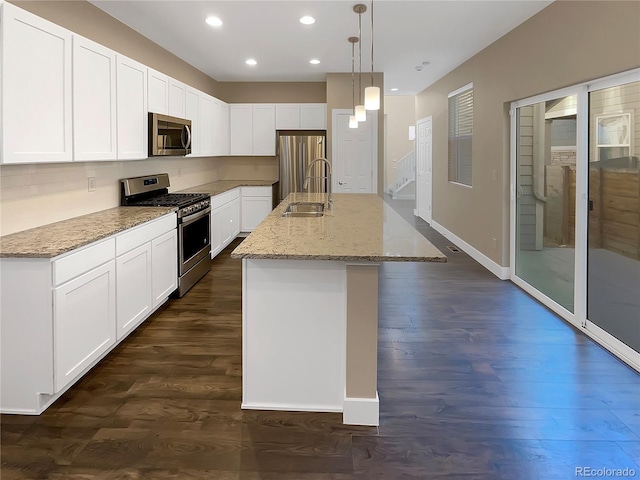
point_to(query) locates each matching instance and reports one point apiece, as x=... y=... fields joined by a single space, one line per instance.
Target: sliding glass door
x=575 y=207
x=613 y=266
x=545 y=195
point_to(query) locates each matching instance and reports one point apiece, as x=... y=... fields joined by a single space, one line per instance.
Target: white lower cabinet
x=60 y=316
x=84 y=322
x=225 y=220
x=164 y=266
x=134 y=288
x=257 y=203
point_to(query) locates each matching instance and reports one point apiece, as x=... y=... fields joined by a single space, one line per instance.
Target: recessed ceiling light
x=314 y=61
x=251 y=61
x=395 y=89
x=307 y=20
x=214 y=21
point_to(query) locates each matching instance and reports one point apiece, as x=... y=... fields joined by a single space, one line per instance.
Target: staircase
x=403 y=185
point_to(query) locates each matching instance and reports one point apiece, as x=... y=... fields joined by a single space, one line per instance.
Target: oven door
x=194 y=239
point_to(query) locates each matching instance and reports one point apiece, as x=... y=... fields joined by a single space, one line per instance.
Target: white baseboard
x=499 y=271
x=289 y=408
x=415 y=212
x=361 y=411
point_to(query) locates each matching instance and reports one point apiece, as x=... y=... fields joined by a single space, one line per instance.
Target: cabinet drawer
x=226 y=197
x=82 y=261
x=144 y=233
x=256 y=192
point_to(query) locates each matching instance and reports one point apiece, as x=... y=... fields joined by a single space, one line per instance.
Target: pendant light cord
x=353 y=81
x=360 y=55
x=372 y=43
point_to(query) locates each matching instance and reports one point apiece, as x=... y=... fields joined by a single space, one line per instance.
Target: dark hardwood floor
x=476 y=381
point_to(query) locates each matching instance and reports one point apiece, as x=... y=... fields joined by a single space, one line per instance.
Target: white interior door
x=424 y=165
x=355 y=154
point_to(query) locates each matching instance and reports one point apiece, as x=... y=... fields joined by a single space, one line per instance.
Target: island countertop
x=359 y=227
x=51 y=240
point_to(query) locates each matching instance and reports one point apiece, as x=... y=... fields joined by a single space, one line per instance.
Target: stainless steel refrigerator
x=295 y=152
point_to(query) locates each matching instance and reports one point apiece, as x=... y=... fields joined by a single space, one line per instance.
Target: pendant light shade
x=372 y=98
x=353 y=122
x=361 y=113
x=372 y=93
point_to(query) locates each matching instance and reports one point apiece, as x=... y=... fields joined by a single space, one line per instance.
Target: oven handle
x=195 y=216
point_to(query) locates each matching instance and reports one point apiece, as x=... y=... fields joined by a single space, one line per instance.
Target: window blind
x=460 y=136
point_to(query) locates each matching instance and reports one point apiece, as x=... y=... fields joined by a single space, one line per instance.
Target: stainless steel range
x=194 y=222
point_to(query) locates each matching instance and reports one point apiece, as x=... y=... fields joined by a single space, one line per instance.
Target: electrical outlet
x=494 y=175
x=494 y=243
x=91 y=184
x=179 y=172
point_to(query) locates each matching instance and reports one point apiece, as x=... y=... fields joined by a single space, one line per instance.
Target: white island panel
x=294 y=322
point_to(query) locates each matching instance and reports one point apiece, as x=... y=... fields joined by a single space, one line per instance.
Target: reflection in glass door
x=613 y=265
x=545 y=197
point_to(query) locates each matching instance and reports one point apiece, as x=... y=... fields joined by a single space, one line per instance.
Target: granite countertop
x=221 y=186
x=360 y=227
x=61 y=237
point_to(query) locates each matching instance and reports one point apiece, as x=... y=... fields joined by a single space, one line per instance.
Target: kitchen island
x=310 y=304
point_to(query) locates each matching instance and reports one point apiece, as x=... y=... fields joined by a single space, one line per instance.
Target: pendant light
x=372 y=93
x=353 y=123
x=360 y=112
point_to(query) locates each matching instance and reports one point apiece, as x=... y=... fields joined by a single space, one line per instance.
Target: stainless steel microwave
x=169 y=135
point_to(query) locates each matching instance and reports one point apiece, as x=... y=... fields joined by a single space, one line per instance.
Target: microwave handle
x=186 y=144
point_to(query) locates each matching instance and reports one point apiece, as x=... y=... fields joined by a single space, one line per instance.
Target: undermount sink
x=302 y=209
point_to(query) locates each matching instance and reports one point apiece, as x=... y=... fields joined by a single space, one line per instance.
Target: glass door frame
x=579 y=317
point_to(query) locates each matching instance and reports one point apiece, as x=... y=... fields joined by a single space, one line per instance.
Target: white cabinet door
x=164 y=266
x=313 y=116
x=84 y=322
x=254 y=210
x=220 y=128
x=192 y=109
x=227 y=224
x=287 y=116
x=94 y=101
x=235 y=218
x=216 y=231
x=158 y=92
x=36 y=89
x=206 y=125
x=241 y=129
x=177 y=98
x=133 y=288
x=131 y=80
x=264 y=129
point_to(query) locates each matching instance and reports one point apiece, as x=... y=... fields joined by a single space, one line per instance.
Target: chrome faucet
x=328 y=178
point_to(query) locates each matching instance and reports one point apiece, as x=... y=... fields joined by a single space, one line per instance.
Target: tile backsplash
x=38 y=194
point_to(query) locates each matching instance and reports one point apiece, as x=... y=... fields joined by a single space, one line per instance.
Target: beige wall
x=247 y=168
x=273 y=92
x=83 y=18
x=564 y=44
x=400 y=113
x=339 y=96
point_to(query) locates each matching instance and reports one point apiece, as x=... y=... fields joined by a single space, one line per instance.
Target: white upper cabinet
x=241 y=129
x=205 y=130
x=36 y=89
x=287 y=116
x=177 y=98
x=253 y=129
x=192 y=109
x=220 y=127
x=158 y=92
x=313 y=116
x=94 y=101
x=131 y=80
x=264 y=129
x=301 y=116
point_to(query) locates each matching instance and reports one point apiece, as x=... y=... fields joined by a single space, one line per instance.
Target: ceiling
x=406 y=34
